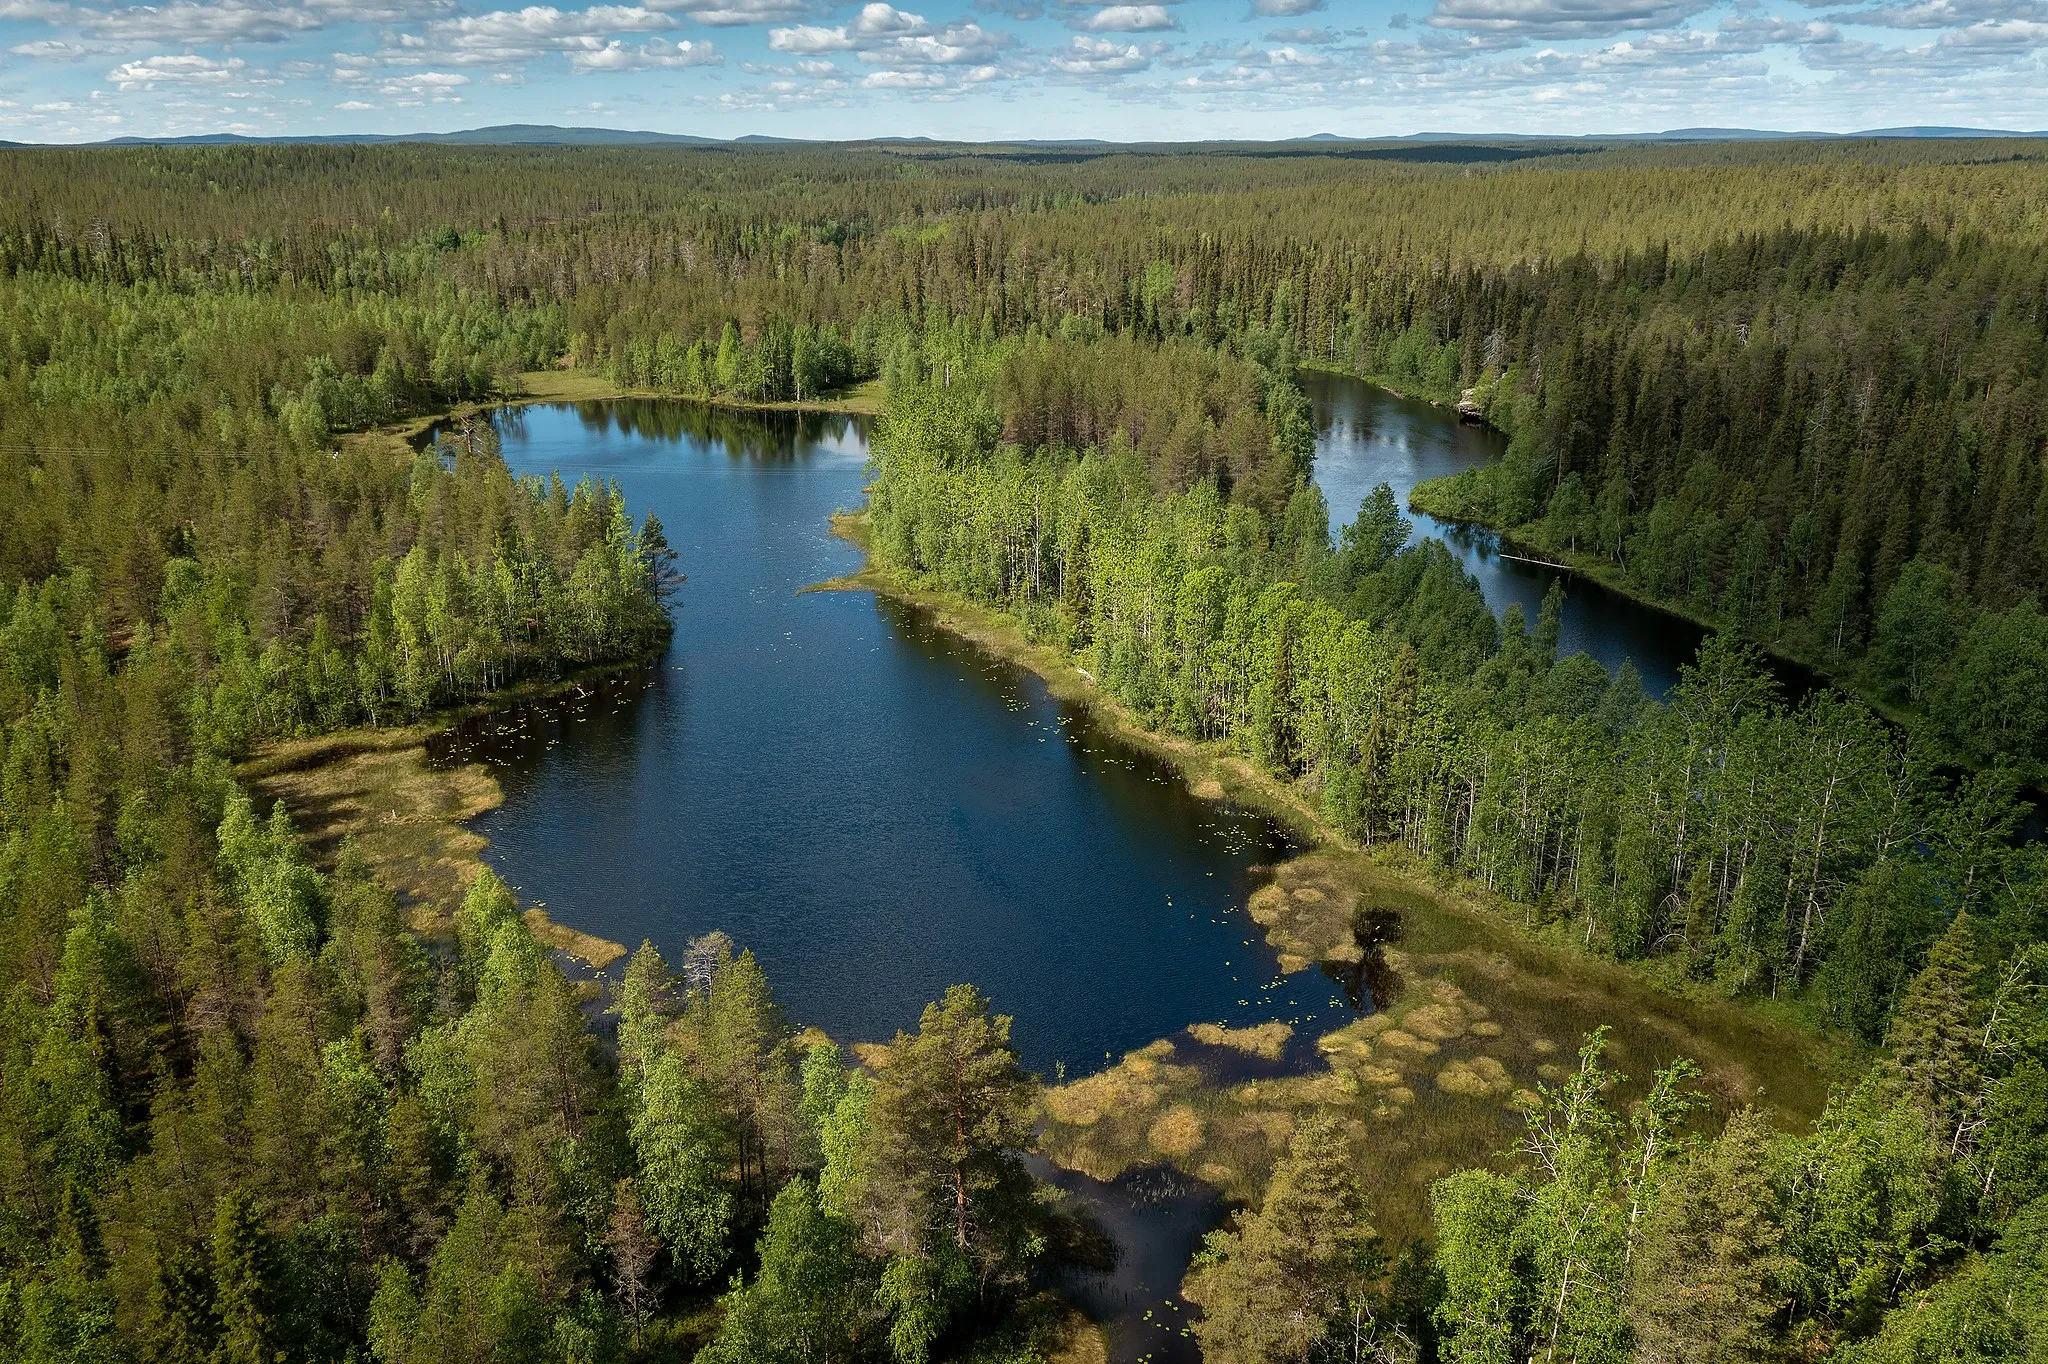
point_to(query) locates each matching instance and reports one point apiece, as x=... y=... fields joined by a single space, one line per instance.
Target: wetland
x=882 y=801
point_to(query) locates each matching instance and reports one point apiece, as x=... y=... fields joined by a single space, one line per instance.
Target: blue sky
x=1017 y=68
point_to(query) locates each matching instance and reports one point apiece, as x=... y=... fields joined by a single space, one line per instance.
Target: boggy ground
x=1471 y=1016
x=407 y=817
x=1468 y=1010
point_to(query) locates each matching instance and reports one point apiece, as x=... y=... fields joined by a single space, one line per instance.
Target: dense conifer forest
x=250 y=1108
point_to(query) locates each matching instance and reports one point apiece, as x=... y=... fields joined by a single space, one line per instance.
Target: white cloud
x=237 y=21
x=1285 y=9
x=882 y=35
x=886 y=21
x=355 y=105
x=1098 y=58
x=737 y=12
x=1561 y=18
x=51 y=50
x=1945 y=13
x=509 y=37
x=904 y=80
x=957 y=45
x=186 y=68
x=654 y=54
x=1126 y=19
x=810 y=38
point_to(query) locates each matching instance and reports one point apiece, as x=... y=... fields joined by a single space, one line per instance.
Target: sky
x=995 y=69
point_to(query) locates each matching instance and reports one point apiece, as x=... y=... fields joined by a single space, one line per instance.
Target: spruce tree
x=1707 y=1280
x=1270 y=1289
x=1933 y=1043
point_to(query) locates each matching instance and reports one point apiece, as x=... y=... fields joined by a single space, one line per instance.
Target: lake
x=880 y=811
x=1367 y=435
x=874 y=807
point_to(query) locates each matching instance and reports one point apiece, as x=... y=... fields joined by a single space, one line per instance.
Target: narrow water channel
x=1367 y=436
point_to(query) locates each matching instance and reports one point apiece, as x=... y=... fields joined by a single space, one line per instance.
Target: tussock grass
x=406 y=817
x=1476 y=1011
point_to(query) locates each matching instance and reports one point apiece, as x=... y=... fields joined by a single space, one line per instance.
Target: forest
x=248 y=1110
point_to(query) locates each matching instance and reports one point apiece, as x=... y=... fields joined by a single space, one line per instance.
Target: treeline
x=784 y=364
x=1830 y=443
x=1763 y=416
x=1722 y=838
x=1809 y=851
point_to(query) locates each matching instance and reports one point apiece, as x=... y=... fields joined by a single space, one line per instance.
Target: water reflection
x=1155 y=1216
x=765 y=434
x=1367 y=435
x=876 y=807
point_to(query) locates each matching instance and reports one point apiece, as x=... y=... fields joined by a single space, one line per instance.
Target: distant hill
x=501 y=135
x=1683 y=135
x=548 y=135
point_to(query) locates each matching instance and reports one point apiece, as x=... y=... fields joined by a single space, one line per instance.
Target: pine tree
x=950 y=1112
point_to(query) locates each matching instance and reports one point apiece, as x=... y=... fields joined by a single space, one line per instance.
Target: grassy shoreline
x=1486 y=1009
x=407 y=817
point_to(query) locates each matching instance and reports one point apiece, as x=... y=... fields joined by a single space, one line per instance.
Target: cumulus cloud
x=656 y=54
x=404 y=89
x=1125 y=19
x=233 y=21
x=810 y=38
x=882 y=35
x=1316 y=36
x=1095 y=59
x=185 y=69
x=1561 y=18
x=1285 y=9
x=509 y=37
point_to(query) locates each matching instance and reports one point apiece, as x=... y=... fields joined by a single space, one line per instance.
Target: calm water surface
x=874 y=807
x=1366 y=436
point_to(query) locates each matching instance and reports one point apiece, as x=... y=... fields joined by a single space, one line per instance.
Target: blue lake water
x=1367 y=435
x=874 y=807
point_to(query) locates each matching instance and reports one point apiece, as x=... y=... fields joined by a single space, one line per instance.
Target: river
x=880 y=811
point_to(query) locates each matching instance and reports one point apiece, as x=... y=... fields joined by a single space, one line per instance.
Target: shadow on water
x=876 y=807
x=1366 y=435
x=1155 y=1217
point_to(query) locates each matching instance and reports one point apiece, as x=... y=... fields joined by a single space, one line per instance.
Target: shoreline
x=1604 y=575
x=1213 y=773
x=580 y=386
x=408 y=817
x=1478 y=1010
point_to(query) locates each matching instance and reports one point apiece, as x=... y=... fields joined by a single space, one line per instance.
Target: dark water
x=1156 y=1217
x=874 y=807
x=1366 y=436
